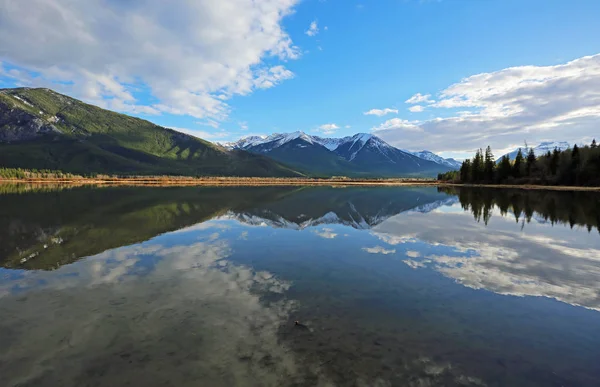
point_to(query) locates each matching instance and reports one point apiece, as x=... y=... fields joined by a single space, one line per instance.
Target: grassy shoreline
x=214 y=181
x=162 y=181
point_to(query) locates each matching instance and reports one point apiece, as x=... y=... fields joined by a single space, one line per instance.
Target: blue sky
x=496 y=72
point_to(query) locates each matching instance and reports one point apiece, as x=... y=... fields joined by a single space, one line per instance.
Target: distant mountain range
x=359 y=155
x=42 y=129
x=427 y=155
x=541 y=149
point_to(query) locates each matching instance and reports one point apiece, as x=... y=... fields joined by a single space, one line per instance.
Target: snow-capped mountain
x=276 y=140
x=427 y=155
x=349 y=210
x=279 y=139
x=331 y=143
x=244 y=143
x=363 y=154
x=542 y=148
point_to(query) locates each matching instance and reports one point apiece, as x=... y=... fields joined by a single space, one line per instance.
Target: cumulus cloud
x=420 y=98
x=380 y=112
x=191 y=56
x=313 y=29
x=416 y=109
x=506 y=107
x=398 y=124
x=328 y=128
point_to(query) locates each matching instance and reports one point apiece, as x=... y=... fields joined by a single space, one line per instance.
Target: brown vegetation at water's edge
x=191 y=181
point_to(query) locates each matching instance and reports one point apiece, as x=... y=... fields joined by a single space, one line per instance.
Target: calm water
x=392 y=287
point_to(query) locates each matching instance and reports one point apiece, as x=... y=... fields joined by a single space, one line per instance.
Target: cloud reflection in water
x=548 y=261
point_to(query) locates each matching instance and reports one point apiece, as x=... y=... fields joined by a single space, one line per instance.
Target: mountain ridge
x=42 y=129
x=360 y=154
x=539 y=150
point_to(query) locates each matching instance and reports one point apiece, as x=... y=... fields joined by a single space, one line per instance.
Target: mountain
x=42 y=129
x=45 y=229
x=359 y=155
x=427 y=155
x=359 y=208
x=539 y=150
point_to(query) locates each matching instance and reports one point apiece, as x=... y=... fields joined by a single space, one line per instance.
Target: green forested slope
x=42 y=129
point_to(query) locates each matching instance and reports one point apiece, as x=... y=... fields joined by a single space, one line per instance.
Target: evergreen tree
x=518 y=164
x=594 y=145
x=465 y=171
x=504 y=169
x=575 y=157
x=478 y=167
x=489 y=164
x=554 y=159
x=530 y=162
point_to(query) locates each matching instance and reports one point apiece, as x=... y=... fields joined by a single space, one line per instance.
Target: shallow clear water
x=391 y=286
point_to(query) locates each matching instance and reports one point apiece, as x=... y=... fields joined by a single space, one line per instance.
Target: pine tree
x=530 y=162
x=504 y=169
x=575 y=157
x=478 y=168
x=518 y=164
x=554 y=159
x=489 y=164
x=465 y=171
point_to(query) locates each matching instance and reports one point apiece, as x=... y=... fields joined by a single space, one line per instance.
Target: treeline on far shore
x=577 y=166
x=19 y=173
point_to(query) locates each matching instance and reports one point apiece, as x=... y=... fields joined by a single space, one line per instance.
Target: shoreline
x=224 y=181
x=258 y=181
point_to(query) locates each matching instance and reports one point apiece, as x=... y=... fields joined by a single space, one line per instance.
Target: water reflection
x=392 y=286
x=124 y=316
x=563 y=207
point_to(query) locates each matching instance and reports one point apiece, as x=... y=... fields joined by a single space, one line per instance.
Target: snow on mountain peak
x=354 y=145
x=430 y=156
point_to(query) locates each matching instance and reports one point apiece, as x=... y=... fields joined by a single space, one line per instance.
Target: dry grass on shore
x=213 y=181
x=177 y=181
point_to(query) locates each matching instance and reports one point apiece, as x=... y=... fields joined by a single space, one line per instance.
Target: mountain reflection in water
x=392 y=286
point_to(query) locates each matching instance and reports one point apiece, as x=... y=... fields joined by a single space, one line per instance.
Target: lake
x=390 y=286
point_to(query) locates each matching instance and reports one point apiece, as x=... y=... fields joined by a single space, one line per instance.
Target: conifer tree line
x=19 y=173
x=573 y=166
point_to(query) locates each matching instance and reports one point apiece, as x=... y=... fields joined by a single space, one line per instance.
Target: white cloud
x=313 y=29
x=531 y=103
x=379 y=250
x=398 y=124
x=347 y=126
x=192 y=56
x=380 y=112
x=416 y=109
x=328 y=128
x=420 y=98
x=201 y=133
